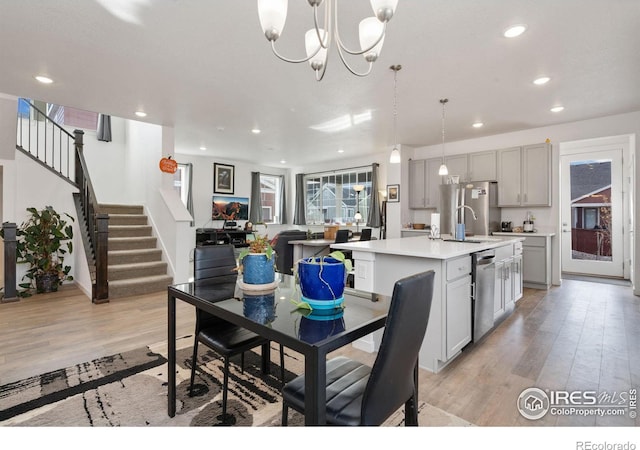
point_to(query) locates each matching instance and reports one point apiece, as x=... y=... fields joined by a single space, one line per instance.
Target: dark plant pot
x=47 y=282
x=322 y=281
x=257 y=269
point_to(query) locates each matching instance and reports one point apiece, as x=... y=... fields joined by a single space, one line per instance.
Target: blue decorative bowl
x=316 y=328
x=257 y=269
x=259 y=307
x=322 y=280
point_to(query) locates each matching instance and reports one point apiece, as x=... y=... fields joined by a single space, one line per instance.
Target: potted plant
x=323 y=278
x=257 y=262
x=43 y=241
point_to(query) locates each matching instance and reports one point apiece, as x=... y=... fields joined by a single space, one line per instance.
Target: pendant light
x=395 y=153
x=443 y=168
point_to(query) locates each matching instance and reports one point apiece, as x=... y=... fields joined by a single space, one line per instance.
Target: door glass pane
x=591 y=210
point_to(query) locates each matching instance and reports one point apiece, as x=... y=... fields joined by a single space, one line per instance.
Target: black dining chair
x=361 y=395
x=225 y=338
x=365 y=235
x=342 y=236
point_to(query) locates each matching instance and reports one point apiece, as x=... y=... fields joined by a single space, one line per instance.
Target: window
x=270 y=195
x=72 y=117
x=590 y=218
x=330 y=197
x=181 y=182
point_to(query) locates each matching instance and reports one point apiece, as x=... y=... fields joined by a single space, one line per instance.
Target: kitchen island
x=379 y=264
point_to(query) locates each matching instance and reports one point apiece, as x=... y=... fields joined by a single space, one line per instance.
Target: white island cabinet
x=379 y=264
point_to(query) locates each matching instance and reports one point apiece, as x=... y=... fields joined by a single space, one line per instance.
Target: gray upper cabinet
x=483 y=166
x=423 y=183
x=457 y=165
x=524 y=176
x=417 y=183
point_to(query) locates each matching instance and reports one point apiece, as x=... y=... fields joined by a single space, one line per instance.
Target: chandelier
x=273 y=14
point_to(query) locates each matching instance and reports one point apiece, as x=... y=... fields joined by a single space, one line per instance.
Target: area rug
x=130 y=389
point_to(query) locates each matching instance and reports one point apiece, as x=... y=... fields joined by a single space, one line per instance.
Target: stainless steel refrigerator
x=456 y=200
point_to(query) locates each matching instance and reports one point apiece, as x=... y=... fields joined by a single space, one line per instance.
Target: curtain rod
x=342 y=170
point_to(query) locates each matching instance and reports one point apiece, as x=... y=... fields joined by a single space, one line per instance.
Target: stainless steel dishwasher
x=483 y=282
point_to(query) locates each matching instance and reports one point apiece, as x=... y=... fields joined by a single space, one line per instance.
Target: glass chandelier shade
x=273 y=16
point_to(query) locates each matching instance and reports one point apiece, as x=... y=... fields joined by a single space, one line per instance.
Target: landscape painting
x=229 y=208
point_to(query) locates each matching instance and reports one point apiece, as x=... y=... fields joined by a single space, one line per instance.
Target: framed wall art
x=223 y=178
x=393 y=193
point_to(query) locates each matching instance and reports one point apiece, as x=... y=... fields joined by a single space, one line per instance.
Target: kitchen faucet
x=470 y=209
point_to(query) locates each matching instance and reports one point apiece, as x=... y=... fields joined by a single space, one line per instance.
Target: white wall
x=35 y=186
x=107 y=163
x=203 y=188
x=8 y=108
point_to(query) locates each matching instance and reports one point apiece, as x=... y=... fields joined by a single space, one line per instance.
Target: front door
x=592 y=211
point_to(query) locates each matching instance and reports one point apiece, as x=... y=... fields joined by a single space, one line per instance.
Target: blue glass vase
x=257 y=269
x=322 y=278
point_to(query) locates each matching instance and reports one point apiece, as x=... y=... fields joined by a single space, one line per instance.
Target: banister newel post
x=10 y=250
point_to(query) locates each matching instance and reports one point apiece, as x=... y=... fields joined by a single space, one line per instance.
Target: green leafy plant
x=261 y=244
x=43 y=241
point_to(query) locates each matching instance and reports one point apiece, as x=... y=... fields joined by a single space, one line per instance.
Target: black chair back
x=342 y=236
x=391 y=381
x=212 y=261
x=366 y=234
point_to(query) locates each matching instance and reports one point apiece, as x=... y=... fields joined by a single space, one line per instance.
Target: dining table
x=275 y=311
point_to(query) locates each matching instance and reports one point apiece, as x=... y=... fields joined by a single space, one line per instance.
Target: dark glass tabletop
x=277 y=310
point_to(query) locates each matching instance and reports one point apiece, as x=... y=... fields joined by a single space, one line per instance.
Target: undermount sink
x=481 y=240
x=470 y=241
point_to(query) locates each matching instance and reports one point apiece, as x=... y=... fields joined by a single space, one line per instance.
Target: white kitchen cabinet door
x=417 y=183
x=507 y=286
x=498 y=295
x=458 y=313
x=516 y=277
x=509 y=176
x=483 y=166
x=536 y=175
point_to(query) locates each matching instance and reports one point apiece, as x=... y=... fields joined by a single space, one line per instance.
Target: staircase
x=135 y=264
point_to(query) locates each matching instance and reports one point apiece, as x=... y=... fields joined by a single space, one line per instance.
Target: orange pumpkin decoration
x=168 y=165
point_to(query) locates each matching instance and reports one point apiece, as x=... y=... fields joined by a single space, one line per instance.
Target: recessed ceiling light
x=541 y=80
x=203 y=148
x=141 y=114
x=557 y=108
x=282 y=161
x=256 y=130
x=515 y=30
x=340 y=150
x=477 y=125
x=44 y=80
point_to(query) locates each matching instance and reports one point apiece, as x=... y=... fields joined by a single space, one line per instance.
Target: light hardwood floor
x=579 y=336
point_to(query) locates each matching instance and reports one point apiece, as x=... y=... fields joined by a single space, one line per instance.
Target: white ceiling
x=205 y=68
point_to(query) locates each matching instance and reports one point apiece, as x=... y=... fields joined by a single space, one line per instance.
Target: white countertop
x=513 y=233
x=423 y=247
